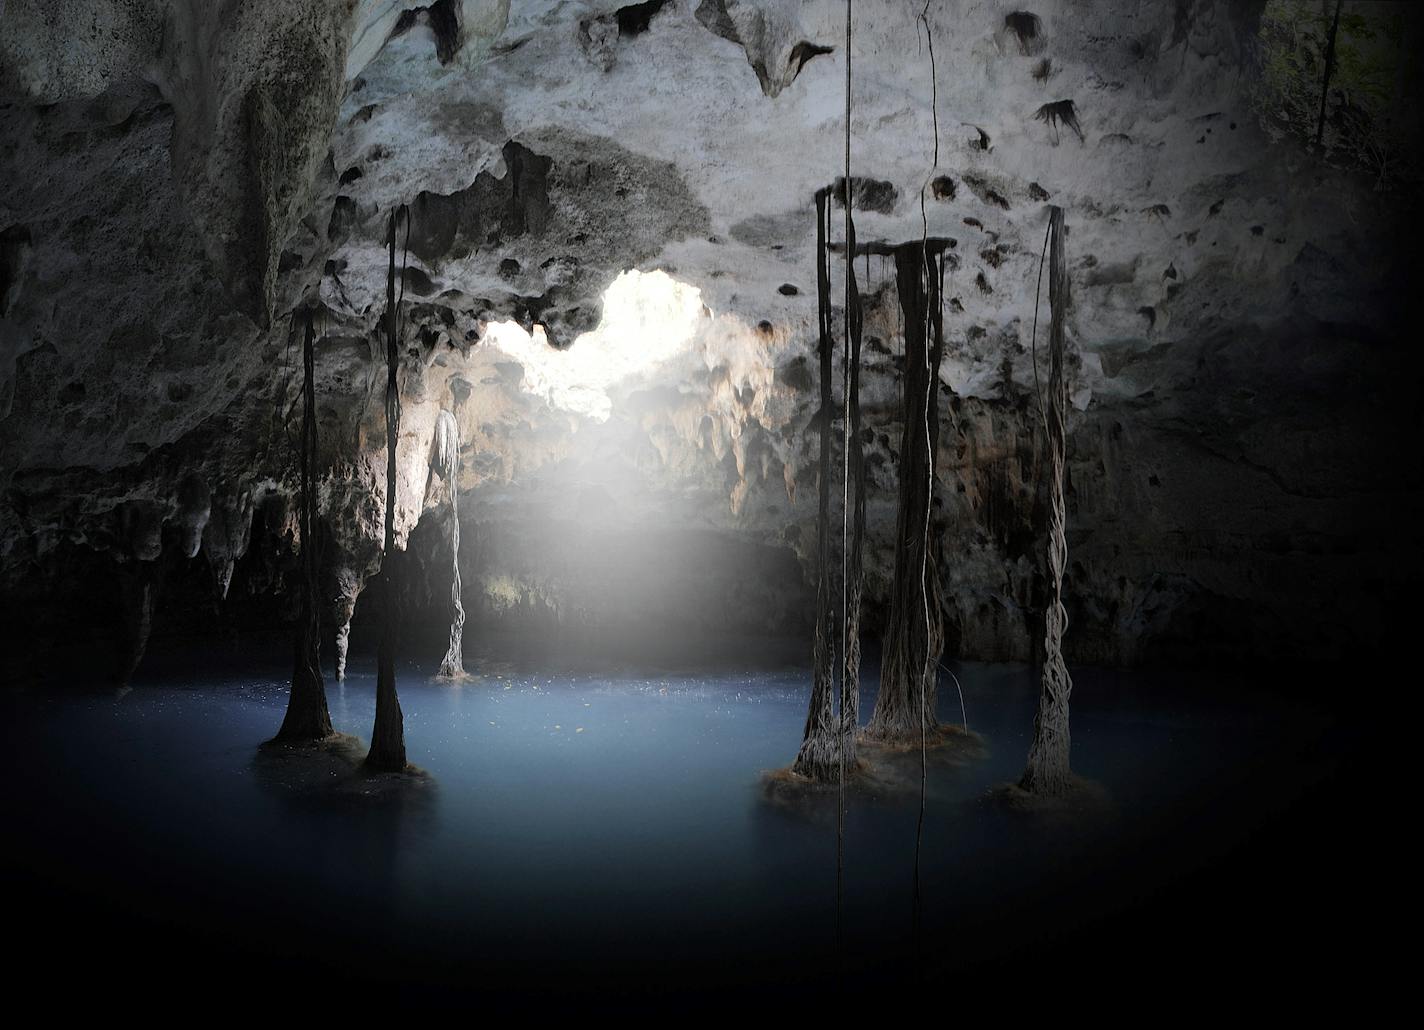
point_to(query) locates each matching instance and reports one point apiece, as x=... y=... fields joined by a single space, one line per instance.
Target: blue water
x=607 y=829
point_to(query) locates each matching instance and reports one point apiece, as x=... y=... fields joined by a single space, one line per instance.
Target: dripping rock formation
x=610 y=284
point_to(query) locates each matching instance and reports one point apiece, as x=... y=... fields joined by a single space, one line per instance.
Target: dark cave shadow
x=358 y=828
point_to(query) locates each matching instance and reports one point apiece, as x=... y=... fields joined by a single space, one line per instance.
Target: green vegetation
x=1370 y=120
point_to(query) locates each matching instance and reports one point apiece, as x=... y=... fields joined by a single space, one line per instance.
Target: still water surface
x=603 y=826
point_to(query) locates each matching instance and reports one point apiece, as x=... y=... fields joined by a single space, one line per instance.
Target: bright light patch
x=648 y=318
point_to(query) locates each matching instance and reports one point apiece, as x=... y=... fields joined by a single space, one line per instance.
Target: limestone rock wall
x=180 y=178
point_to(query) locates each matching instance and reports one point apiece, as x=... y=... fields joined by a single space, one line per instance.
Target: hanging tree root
x=387 y=752
x=853 y=518
x=914 y=636
x=307 y=715
x=1048 y=772
x=819 y=757
x=1048 y=785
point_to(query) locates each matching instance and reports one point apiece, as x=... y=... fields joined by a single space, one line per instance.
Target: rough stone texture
x=176 y=173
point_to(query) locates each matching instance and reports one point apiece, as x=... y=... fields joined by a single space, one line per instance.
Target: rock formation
x=445 y=462
x=611 y=262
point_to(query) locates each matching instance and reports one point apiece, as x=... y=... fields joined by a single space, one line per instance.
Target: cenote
x=815 y=509
x=601 y=830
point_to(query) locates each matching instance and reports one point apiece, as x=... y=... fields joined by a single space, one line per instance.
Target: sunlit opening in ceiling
x=648 y=319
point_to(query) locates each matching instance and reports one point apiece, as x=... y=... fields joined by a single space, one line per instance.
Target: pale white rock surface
x=610 y=282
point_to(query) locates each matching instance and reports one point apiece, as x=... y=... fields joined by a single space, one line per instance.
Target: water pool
x=603 y=831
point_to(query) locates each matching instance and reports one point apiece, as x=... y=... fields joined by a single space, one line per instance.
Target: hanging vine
x=931 y=658
x=1048 y=771
x=849 y=707
x=905 y=704
x=817 y=758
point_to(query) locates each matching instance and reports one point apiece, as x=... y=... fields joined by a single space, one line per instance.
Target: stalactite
x=346 y=588
x=225 y=537
x=307 y=715
x=818 y=758
x=914 y=635
x=388 y=734
x=445 y=462
x=1048 y=772
x=141 y=532
x=137 y=582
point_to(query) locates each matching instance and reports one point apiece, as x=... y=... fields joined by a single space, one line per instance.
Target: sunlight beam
x=648 y=318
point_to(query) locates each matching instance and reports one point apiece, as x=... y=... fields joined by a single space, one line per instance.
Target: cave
x=820 y=508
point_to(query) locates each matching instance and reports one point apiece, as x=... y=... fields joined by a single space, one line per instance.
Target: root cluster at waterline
x=880 y=768
x=334 y=768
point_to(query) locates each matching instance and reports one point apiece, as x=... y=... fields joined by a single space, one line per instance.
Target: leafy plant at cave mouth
x=1371 y=100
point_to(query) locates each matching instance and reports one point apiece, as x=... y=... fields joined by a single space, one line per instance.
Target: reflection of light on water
x=648 y=318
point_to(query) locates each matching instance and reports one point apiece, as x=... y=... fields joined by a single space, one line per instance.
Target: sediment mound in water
x=786 y=784
x=1084 y=798
x=948 y=742
x=881 y=770
x=895 y=766
x=866 y=779
x=334 y=768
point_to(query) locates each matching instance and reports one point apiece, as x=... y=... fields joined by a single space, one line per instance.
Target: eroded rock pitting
x=179 y=184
